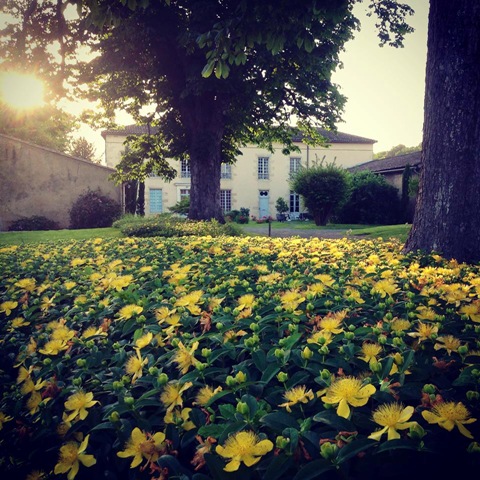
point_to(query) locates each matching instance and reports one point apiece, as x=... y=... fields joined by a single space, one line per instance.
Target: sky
x=384 y=86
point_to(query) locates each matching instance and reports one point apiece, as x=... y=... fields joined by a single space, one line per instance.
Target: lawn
x=236 y=357
x=17 y=238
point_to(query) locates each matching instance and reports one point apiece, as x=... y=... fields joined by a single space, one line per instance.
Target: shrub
x=167 y=225
x=324 y=188
x=238 y=216
x=182 y=207
x=36 y=222
x=372 y=201
x=94 y=210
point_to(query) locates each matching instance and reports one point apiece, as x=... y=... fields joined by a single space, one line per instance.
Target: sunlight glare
x=21 y=91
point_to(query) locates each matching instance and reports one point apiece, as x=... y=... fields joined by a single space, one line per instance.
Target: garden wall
x=35 y=180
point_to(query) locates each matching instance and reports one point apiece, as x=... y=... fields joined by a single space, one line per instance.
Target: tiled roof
x=338 y=137
x=390 y=164
x=332 y=137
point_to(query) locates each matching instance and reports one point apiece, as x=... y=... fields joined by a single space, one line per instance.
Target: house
x=256 y=181
x=392 y=168
x=35 y=180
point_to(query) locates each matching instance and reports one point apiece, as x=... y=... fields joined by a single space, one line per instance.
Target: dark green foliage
x=36 y=222
x=238 y=216
x=94 y=210
x=372 y=201
x=281 y=205
x=324 y=189
x=181 y=207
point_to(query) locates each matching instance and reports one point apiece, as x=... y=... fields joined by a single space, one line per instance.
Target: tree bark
x=447 y=216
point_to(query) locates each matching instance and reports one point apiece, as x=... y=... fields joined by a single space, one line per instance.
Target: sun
x=21 y=91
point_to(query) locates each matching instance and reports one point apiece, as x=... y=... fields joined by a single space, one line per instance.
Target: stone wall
x=35 y=180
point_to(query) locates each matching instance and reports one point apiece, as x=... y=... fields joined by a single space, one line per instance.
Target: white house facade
x=258 y=178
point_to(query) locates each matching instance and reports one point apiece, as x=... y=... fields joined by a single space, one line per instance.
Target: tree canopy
x=215 y=74
x=399 y=149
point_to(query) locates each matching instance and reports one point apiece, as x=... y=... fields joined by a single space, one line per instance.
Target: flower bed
x=212 y=358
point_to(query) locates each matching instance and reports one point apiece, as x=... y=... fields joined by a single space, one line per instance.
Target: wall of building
x=245 y=185
x=38 y=181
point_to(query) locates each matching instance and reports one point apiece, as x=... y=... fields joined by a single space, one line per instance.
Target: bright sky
x=384 y=85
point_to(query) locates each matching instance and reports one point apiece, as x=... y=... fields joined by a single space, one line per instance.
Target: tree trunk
x=202 y=115
x=447 y=216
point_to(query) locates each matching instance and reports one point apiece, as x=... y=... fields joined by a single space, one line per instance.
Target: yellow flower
x=135 y=364
x=78 y=404
x=191 y=301
x=77 y=261
x=184 y=357
x=291 y=300
x=424 y=331
x=163 y=314
x=180 y=418
x=92 y=332
x=354 y=294
x=63 y=334
x=120 y=282
x=246 y=301
x=18 y=322
x=243 y=447
x=205 y=394
x=385 y=287
x=296 y=395
x=47 y=303
x=34 y=401
x=171 y=396
x=29 y=386
x=144 y=340
x=325 y=278
x=69 y=285
x=449 y=415
x=472 y=311
x=448 y=342
x=426 y=313
x=71 y=455
x=53 y=347
x=143 y=445
x=392 y=417
x=370 y=352
x=128 y=311
x=26 y=284
x=348 y=391
x=7 y=307
x=332 y=321
x=399 y=325
x=4 y=419
x=320 y=338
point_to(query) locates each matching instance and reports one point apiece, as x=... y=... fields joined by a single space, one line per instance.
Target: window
x=295 y=164
x=185 y=169
x=226 y=171
x=184 y=193
x=263 y=168
x=226 y=200
x=294 y=202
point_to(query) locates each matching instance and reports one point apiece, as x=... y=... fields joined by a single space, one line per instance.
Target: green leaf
x=396 y=444
x=277 y=467
x=354 y=448
x=270 y=372
x=208 y=69
x=313 y=470
x=278 y=421
x=330 y=418
x=260 y=360
x=227 y=411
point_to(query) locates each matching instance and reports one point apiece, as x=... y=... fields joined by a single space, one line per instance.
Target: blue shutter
x=156 y=200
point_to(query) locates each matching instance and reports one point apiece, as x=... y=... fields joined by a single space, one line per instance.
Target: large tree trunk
x=447 y=216
x=202 y=116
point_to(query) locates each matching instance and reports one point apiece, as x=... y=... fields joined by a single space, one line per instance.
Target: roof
x=332 y=137
x=390 y=164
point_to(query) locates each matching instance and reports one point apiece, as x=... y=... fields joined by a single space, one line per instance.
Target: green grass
x=40 y=236
x=386 y=231
x=383 y=231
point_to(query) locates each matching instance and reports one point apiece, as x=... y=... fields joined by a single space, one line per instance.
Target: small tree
x=324 y=189
x=181 y=207
x=82 y=148
x=281 y=205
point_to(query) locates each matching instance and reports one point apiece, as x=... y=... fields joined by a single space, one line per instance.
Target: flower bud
x=349 y=335
x=282 y=377
x=243 y=408
x=282 y=442
x=81 y=362
x=230 y=381
x=325 y=374
x=473 y=447
x=114 y=417
x=429 y=388
x=240 y=377
x=328 y=450
x=162 y=379
x=307 y=354
x=206 y=352
x=416 y=431
x=471 y=395
x=462 y=349
x=375 y=367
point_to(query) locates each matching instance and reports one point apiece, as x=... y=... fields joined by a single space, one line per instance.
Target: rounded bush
x=94 y=210
x=35 y=222
x=372 y=201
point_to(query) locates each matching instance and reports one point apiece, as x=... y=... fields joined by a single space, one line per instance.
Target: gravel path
x=291 y=232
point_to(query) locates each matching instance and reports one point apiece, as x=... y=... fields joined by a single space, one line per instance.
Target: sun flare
x=21 y=91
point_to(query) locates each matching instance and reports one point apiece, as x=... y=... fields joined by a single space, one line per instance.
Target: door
x=156 y=200
x=263 y=201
